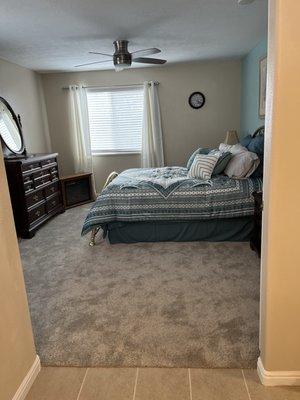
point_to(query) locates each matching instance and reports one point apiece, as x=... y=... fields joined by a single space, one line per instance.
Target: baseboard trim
x=277 y=378
x=28 y=380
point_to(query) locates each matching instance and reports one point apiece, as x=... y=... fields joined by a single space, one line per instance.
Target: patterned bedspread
x=167 y=194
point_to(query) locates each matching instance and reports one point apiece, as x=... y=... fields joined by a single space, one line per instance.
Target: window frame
x=102 y=153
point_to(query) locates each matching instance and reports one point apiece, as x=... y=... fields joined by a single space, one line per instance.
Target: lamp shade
x=231 y=137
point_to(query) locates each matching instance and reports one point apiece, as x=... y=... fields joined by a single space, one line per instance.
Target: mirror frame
x=19 y=126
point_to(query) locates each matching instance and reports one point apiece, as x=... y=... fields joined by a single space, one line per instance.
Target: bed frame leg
x=93 y=236
x=110 y=178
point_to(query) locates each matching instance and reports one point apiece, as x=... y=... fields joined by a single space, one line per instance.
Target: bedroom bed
x=164 y=204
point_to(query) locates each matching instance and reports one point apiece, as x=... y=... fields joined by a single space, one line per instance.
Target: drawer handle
x=35 y=198
x=38 y=213
x=53 y=202
x=52 y=189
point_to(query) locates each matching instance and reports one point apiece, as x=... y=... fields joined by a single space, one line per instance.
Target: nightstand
x=77 y=189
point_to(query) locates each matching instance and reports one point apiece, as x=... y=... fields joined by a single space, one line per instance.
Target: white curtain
x=152 y=141
x=79 y=120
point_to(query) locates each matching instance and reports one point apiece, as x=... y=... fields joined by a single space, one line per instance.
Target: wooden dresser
x=34 y=190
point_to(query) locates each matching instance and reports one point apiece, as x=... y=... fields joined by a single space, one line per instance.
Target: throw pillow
x=233 y=149
x=198 y=151
x=258 y=173
x=257 y=145
x=242 y=165
x=245 y=141
x=203 y=166
x=222 y=162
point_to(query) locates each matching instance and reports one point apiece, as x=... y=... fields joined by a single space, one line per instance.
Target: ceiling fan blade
x=102 y=54
x=95 y=62
x=144 y=60
x=146 y=52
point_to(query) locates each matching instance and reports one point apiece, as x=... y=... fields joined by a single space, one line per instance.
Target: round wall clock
x=197 y=100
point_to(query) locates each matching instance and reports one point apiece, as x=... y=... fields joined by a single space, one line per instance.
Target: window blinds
x=115 y=119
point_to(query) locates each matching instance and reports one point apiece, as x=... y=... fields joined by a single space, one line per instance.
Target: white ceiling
x=55 y=35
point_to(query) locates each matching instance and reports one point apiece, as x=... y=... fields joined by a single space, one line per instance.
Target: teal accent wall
x=250 y=120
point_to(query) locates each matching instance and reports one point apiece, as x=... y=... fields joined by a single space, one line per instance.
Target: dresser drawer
x=54 y=173
x=51 y=189
x=40 y=181
x=31 y=166
x=48 y=162
x=28 y=183
x=27 y=179
x=53 y=170
x=29 y=187
x=34 y=198
x=36 y=213
x=53 y=202
x=39 y=174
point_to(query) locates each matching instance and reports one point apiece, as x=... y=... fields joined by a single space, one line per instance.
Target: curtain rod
x=109 y=87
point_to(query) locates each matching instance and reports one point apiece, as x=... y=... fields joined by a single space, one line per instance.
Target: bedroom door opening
x=171 y=291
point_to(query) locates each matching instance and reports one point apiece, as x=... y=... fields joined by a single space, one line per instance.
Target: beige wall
x=17 y=351
x=280 y=294
x=22 y=89
x=184 y=129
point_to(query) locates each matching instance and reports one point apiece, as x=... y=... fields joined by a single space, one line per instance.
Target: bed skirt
x=214 y=230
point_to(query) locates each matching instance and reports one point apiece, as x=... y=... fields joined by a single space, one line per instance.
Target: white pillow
x=203 y=166
x=242 y=164
x=233 y=149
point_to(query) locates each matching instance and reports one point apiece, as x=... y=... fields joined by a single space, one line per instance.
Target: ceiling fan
x=122 y=58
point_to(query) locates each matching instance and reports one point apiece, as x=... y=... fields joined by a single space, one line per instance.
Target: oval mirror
x=10 y=128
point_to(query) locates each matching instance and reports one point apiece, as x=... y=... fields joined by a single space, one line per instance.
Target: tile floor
x=66 y=383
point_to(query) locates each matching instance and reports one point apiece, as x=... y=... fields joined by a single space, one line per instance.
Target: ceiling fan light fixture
x=122 y=58
x=119 y=68
x=121 y=64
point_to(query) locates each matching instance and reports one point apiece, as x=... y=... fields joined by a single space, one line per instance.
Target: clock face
x=197 y=100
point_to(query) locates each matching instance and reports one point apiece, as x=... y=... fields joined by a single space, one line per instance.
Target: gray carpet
x=161 y=304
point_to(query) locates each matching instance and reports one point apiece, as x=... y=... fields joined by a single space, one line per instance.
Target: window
x=115 y=119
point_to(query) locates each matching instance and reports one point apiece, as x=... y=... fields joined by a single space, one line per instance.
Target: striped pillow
x=203 y=166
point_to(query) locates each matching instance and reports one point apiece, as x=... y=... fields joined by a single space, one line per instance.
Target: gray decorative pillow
x=198 y=151
x=222 y=162
x=203 y=166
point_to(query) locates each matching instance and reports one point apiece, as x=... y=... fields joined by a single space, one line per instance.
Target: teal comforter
x=167 y=194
